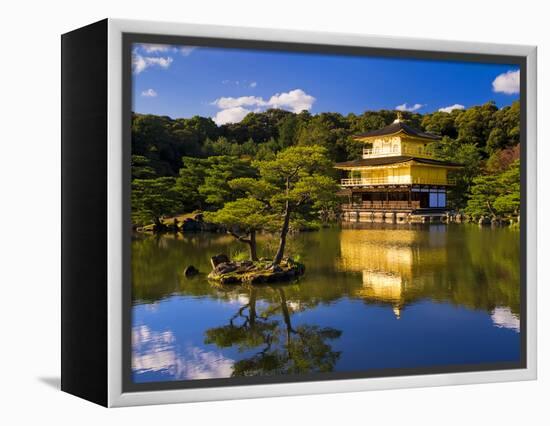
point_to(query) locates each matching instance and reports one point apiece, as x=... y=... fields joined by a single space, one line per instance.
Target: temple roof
x=396 y=127
x=383 y=161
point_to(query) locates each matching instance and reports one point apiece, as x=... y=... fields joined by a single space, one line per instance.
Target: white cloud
x=296 y=100
x=149 y=93
x=225 y=103
x=507 y=83
x=186 y=50
x=141 y=63
x=154 y=48
x=251 y=84
x=230 y=115
x=233 y=111
x=451 y=108
x=162 y=48
x=409 y=108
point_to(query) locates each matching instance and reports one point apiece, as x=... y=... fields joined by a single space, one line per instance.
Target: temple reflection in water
x=394 y=265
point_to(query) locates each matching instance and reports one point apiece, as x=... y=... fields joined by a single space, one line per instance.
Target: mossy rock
x=259 y=272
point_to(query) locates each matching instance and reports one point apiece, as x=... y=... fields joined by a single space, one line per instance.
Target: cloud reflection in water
x=503 y=317
x=155 y=351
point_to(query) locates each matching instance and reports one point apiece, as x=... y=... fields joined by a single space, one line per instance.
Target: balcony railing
x=396 y=180
x=398 y=150
x=382 y=205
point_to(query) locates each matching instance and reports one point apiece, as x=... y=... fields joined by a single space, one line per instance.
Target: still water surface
x=373 y=297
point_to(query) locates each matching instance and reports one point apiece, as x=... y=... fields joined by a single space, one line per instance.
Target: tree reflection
x=282 y=348
x=245 y=330
x=464 y=264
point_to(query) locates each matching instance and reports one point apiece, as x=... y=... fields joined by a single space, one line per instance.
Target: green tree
x=497 y=139
x=496 y=194
x=221 y=146
x=483 y=195
x=441 y=123
x=249 y=148
x=293 y=186
x=508 y=200
x=328 y=130
x=475 y=124
x=219 y=170
x=288 y=130
x=242 y=218
x=191 y=177
x=154 y=198
x=505 y=131
x=141 y=168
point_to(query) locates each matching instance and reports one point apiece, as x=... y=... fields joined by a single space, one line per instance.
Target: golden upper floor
x=397 y=154
x=397 y=139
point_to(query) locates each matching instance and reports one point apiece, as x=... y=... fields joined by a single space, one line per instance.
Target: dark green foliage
x=328 y=130
x=475 y=124
x=141 y=168
x=259 y=127
x=203 y=182
x=191 y=177
x=219 y=171
x=165 y=141
x=506 y=129
x=508 y=200
x=288 y=131
x=496 y=194
x=154 y=198
x=441 y=123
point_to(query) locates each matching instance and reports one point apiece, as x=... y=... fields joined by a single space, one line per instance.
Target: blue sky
x=226 y=84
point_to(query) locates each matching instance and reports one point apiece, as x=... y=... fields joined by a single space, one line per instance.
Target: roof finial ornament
x=399 y=118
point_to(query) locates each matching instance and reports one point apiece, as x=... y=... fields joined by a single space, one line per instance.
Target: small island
x=225 y=271
x=289 y=190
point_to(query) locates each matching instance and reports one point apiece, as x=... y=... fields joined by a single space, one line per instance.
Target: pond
x=373 y=297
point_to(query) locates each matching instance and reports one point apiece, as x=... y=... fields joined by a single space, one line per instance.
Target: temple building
x=397 y=179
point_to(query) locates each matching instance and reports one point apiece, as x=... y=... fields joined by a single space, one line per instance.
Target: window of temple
x=438 y=198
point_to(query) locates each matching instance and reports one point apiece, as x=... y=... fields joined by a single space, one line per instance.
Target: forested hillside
x=183 y=165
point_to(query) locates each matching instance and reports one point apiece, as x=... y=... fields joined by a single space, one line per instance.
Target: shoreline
x=189 y=224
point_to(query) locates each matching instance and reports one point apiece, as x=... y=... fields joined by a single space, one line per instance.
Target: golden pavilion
x=397 y=179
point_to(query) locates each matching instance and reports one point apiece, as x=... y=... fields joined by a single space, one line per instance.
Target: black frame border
x=84 y=235
x=128 y=39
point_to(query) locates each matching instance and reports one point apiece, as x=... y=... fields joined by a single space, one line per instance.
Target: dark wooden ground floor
x=404 y=197
x=395 y=204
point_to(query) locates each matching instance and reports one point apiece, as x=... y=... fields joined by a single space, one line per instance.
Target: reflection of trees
x=281 y=347
x=249 y=333
x=158 y=263
x=461 y=264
